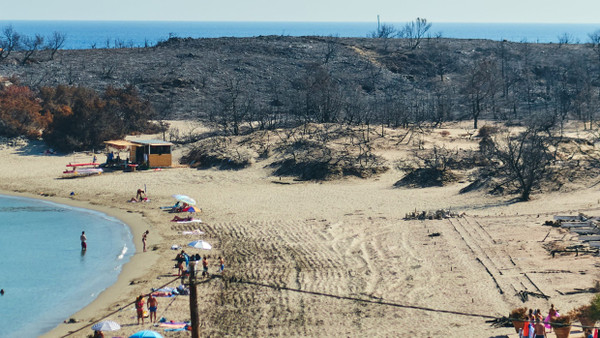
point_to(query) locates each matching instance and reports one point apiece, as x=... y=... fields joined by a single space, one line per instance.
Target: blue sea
x=45 y=275
x=110 y=34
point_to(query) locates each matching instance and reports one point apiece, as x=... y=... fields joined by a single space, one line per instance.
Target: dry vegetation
x=309 y=152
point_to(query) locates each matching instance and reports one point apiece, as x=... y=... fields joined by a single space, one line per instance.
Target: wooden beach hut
x=155 y=153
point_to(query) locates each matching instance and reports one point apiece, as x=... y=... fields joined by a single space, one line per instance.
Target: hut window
x=160 y=150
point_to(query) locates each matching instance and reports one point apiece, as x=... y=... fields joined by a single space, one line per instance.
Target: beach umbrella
x=200 y=245
x=106 y=325
x=146 y=334
x=185 y=199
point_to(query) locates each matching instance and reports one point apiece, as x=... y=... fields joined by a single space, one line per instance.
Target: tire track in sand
x=492 y=257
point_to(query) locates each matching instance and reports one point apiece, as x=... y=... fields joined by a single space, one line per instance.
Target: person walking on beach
x=221 y=264
x=204 y=267
x=144 y=239
x=83 y=239
x=139 y=307
x=181 y=258
x=152 y=306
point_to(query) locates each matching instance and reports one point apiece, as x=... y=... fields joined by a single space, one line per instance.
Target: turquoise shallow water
x=43 y=271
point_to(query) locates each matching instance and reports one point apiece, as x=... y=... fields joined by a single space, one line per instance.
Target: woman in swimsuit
x=139 y=307
x=144 y=239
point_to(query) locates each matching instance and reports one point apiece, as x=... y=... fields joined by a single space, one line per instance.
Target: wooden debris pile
x=431 y=215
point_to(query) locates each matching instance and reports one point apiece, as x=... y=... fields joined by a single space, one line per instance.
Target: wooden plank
x=568 y=218
x=586 y=231
x=575 y=224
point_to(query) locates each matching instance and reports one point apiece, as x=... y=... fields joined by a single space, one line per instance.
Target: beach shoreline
x=134 y=268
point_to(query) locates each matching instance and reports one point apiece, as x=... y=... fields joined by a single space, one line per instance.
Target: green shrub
x=595 y=307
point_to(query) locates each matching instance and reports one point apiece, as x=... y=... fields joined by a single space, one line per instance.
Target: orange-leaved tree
x=21 y=113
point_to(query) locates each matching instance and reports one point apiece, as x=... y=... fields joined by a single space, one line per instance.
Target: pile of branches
x=431 y=215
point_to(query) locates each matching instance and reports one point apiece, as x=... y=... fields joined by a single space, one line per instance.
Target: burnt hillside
x=279 y=80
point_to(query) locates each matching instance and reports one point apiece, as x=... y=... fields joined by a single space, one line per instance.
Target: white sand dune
x=345 y=238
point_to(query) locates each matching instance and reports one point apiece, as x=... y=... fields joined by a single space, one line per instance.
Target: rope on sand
x=382 y=302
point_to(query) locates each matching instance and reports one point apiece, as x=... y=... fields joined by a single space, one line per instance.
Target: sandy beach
x=346 y=238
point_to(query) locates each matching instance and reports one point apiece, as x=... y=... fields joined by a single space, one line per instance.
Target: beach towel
x=193 y=232
x=547 y=322
x=165 y=289
x=526 y=330
x=195 y=220
x=172 y=325
x=162 y=294
x=178 y=329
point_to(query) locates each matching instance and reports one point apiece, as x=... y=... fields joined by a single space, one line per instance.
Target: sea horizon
x=82 y=34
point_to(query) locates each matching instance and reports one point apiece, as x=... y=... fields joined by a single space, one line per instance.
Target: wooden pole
x=194 y=302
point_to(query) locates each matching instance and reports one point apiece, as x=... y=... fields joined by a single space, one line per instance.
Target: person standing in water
x=83 y=241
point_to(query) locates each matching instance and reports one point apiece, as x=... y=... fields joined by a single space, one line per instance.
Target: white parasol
x=185 y=199
x=200 y=245
x=107 y=325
